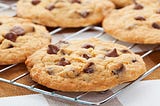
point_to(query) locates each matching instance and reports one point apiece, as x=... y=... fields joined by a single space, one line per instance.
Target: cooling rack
x=76 y=97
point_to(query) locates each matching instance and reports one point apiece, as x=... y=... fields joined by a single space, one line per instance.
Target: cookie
x=84 y=65
x=123 y=3
x=19 y=38
x=64 y=13
x=137 y=23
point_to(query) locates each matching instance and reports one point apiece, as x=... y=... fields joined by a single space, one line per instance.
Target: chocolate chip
x=63 y=62
x=11 y=36
x=50 y=7
x=91 y=64
x=119 y=70
x=134 y=60
x=158 y=11
x=84 y=14
x=10 y=46
x=137 y=5
x=35 y=2
x=86 y=56
x=52 y=49
x=87 y=46
x=76 y=1
x=0 y=23
x=89 y=69
x=50 y=72
x=156 y=26
x=18 y=31
x=125 y=51
x=112 y=53
x=140 y=18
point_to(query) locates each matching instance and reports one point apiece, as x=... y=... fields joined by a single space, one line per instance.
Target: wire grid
x=78 y=97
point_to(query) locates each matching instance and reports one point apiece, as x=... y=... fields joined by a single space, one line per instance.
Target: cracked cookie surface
x=64 y=13
x=84 y=65
x=19 y=38
x=137 y=23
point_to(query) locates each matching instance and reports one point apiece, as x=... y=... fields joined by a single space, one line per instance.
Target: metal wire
x=77 y=98
x=6 y=68
x=132 y=83
x=19 y=77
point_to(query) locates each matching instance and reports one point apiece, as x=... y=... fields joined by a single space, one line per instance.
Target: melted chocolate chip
x=0 y=23
x=52 y=49
x=18 y=31
x=140 y=18
x=84 y=14
x=89 y=69
x=11 y=36
x=86 y=56
x=87 y=46
x=137 y=5
x=112 y=53
x=76 y=1
x=50 y=7
x=63 y=62
x=119 y=70
x=156 y=26
x=35 y=2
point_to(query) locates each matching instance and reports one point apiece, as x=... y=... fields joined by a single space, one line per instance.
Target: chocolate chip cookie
x=64 y=13
x=19 y=38
x=137 y=23
x=84 y=65
x=123 y=3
